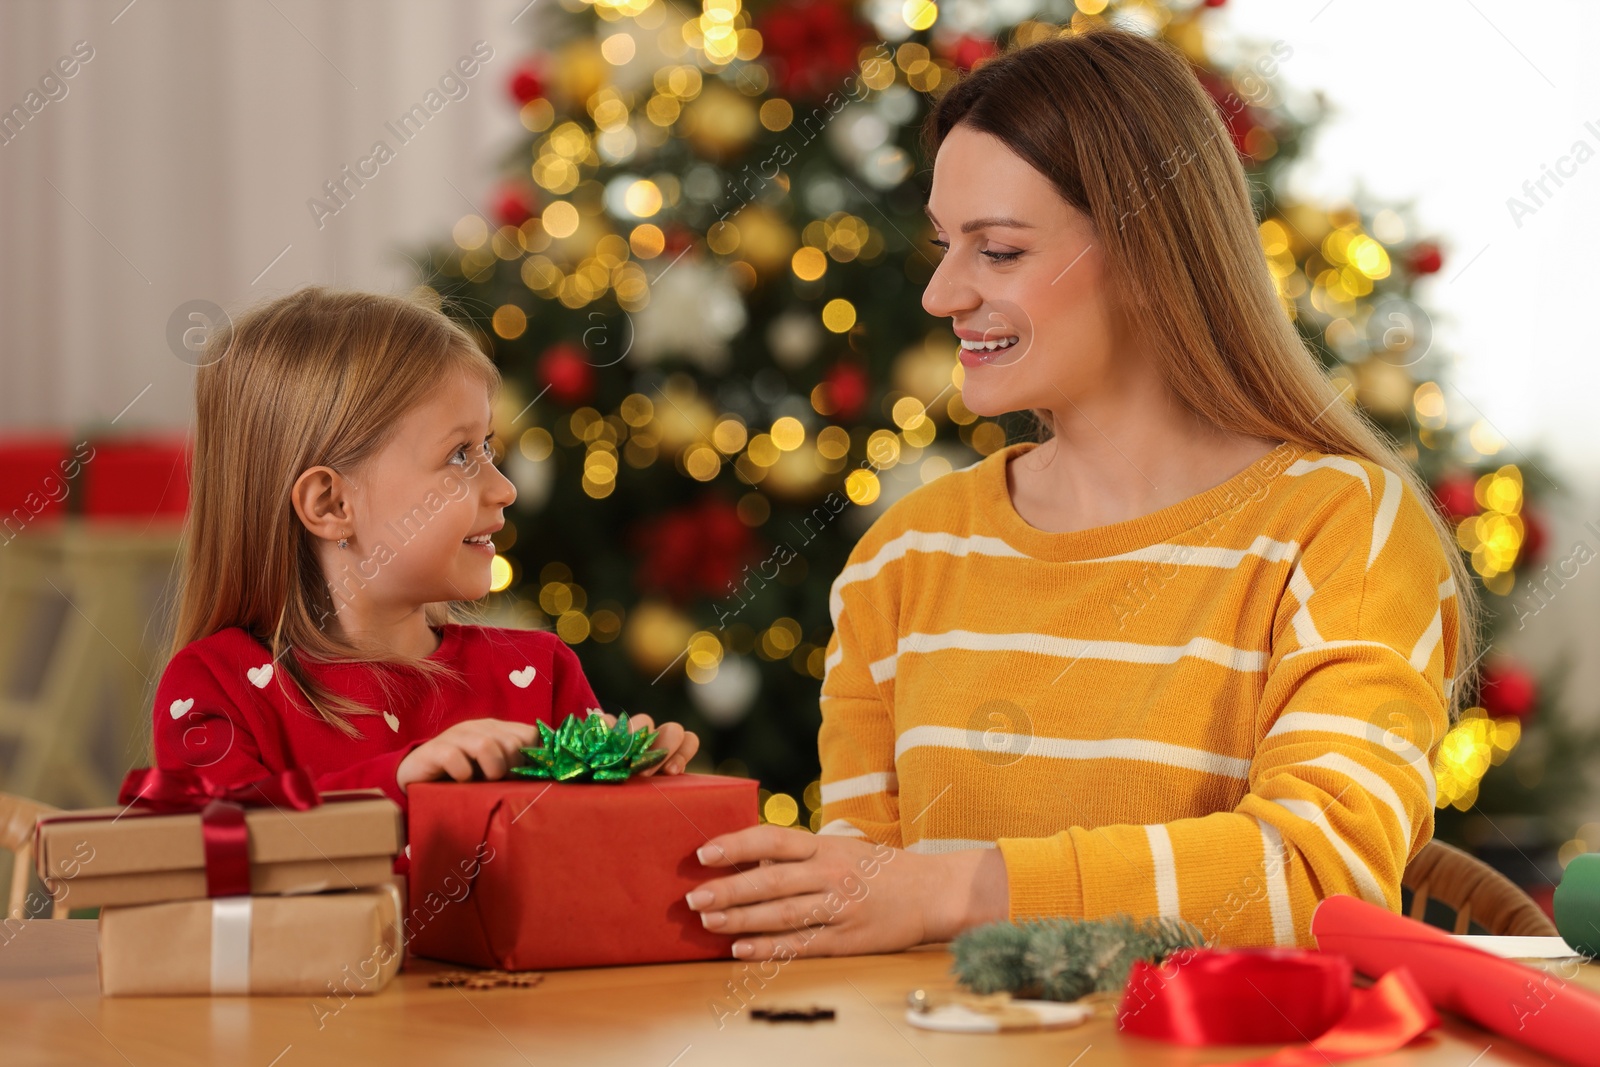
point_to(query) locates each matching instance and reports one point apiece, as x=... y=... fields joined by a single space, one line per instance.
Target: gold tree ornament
x=720 y=122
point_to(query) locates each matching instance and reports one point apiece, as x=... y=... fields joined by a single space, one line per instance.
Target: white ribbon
x=230 y=944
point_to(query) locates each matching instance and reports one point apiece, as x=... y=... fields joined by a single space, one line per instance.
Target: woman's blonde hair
x=319 y=377
x=1124 y=130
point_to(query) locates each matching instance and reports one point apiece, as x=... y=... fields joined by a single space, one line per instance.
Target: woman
x=1190 y=654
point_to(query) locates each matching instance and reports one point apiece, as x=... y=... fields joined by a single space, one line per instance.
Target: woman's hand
x=489 y=746
x=803 y=894
x=680 y=744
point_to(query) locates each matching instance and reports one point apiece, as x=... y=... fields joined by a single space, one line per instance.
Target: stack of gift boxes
x=266 y=889
x=571 y=861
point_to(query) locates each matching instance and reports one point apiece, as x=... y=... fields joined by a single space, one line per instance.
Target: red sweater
x=223 y=709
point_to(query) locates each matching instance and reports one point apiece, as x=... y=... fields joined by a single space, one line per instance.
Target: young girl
x=343 y=498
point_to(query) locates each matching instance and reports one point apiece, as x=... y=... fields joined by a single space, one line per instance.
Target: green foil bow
x=588 y=749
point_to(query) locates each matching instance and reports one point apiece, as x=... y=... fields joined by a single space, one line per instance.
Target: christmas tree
x=702 y=274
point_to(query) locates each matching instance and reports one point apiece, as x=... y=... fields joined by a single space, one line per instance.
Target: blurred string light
x=812 y=799
x=779 y=640
x=838 y=315
x=1495 y=537
x=1485 y=439
x=1476 y=743
x=777 y=809
x=615 y=9
x=921 y=71
x=704 y=656
x=781 y=809
x=722 y=33
x=1587 y=839
x=567 y=603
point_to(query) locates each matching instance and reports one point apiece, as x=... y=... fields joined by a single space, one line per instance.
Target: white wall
x=1454 y=104
x=179 y=163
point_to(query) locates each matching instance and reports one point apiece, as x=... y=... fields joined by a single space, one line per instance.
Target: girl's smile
x=481 y=541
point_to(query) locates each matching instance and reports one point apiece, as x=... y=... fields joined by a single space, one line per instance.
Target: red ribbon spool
x=1202 y=996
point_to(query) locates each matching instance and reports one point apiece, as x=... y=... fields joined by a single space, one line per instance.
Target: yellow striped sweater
x=1224 y=710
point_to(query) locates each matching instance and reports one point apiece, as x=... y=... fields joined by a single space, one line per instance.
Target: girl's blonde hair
x=1123 y=129
x=316 y=378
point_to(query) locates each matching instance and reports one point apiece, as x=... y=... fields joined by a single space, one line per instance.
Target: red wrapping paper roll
x=1530 y=1006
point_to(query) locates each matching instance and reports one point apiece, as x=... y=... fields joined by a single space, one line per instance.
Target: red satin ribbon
x=170 y=791
x=1202 y=996
x=221 y=807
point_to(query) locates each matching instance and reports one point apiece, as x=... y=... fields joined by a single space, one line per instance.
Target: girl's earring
x=344 y=542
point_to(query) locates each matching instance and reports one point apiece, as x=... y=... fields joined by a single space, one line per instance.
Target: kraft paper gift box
x=112 y=856
x=523 y=874
x=319 y=944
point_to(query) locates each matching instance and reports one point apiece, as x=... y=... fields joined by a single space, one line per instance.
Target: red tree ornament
x=514 y=203
x=1533 y=538
x=568 y=375
x=675 y=238
x=1237 y=115
x=525 y=84
x=698 y=550
x=1424 y=258
x=968 y=51
x=1508 y=691
x=847 y=388
x=726 y=542
x=812 y=46
x=1457 y=496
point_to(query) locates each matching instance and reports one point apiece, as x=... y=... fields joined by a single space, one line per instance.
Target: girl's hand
x=489 y=746
x=803 y=894
x=680 y=744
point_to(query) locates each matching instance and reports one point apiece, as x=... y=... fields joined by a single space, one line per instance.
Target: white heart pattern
x=260 y=676
x=180 y=708
x=394 y=723
x=523 y=678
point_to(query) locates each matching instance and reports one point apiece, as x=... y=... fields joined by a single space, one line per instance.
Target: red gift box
x=35 y=473
x=138 y=477
x=525 y=874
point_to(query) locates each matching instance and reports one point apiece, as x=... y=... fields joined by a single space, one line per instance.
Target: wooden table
x=658 y=1016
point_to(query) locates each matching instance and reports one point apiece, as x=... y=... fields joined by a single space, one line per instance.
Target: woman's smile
x=982 y=353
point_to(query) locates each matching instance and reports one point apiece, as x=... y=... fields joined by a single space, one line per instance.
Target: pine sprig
x=1064 y=959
